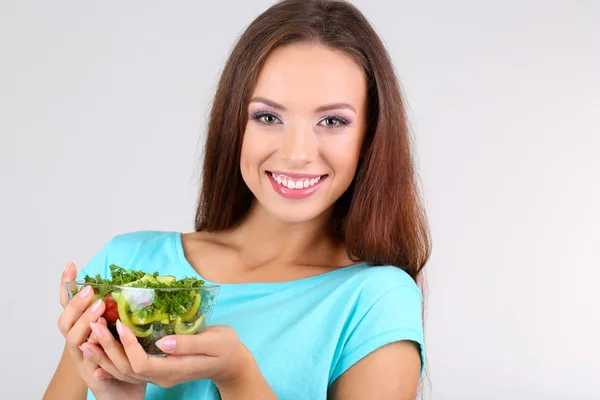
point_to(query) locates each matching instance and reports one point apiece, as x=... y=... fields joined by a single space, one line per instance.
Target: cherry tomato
x=111 y=312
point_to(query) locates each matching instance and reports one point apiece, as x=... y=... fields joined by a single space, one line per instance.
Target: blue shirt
x=303 y=334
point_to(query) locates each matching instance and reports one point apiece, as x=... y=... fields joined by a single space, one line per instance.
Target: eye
x=266 y=118
x=334 y=122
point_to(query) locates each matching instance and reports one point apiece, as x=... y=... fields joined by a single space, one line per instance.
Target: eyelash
x=261 y=114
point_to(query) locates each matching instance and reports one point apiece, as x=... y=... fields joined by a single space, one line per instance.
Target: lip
x=296 y=175
x=295 y=194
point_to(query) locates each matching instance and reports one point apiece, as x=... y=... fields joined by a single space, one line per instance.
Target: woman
x=309 y=217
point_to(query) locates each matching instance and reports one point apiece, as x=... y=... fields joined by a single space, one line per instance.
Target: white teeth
x=294 y=184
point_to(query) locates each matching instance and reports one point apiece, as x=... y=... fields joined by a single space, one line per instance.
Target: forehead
x=314 y=74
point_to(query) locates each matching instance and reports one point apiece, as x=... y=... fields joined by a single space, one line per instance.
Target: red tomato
x=111 y=313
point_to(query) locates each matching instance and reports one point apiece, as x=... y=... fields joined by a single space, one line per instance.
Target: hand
x=75 y=323
x=216 y=353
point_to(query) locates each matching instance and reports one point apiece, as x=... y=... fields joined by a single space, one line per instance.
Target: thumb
x=207 y=342
x=69 y=274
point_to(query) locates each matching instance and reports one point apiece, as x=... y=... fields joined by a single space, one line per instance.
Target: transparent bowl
x=152 y=313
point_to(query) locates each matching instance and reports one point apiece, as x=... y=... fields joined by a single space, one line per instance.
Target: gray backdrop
x=103 y=107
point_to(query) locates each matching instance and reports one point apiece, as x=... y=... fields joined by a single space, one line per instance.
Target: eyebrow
x=327 y=107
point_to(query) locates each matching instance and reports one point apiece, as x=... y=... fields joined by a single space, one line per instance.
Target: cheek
x=254 y=151
x=344 y=156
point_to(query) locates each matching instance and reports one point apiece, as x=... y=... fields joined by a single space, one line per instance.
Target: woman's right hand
x=95 y=368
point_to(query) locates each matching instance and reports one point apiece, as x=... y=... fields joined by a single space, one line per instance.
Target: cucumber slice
x=140 y=332
x=123 y=309
x=166 y=279
x=182 y=328
x=189 y=314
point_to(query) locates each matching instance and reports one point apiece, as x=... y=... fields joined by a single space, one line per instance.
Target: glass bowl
x=152 y=313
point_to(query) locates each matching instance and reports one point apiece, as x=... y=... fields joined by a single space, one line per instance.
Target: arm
x=66 y=384
x=390 y=372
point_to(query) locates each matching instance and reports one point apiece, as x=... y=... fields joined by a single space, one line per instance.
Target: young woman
x=309 y=218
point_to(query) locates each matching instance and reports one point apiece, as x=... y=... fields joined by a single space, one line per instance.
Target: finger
x=90 y=366
x=204 y=343
x=160 y=367
x=75 y=309
x=114 y=350
x=100 y=373
x=80 y=330
x=93 y=339
x=69 y=274
x=141 y=363
x=98 y=358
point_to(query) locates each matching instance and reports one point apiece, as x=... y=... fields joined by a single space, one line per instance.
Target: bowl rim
x=83 y=283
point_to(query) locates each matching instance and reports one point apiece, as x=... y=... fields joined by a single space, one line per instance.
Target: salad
x=151 y=305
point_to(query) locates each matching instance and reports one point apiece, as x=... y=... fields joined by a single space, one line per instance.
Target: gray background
x=102 y=111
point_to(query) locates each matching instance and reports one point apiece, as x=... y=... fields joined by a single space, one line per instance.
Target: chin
x=294 y=215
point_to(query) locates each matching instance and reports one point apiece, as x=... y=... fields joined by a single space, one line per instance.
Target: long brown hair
x=380 y=217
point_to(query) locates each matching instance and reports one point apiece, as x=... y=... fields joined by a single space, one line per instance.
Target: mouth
x=295 y=186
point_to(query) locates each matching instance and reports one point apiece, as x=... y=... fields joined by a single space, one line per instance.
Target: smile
x=295 y=186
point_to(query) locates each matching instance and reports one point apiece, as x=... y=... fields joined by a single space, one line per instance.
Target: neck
x=264 y=239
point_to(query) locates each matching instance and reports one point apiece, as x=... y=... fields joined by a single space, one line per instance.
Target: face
x=306 y=125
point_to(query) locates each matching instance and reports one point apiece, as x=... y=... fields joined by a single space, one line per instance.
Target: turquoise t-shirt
x=303 y=334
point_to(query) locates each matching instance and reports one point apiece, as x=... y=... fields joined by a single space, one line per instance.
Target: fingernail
x=119 y=327
x=96 y=306
x=68 y=267
x=86 y=291
x=96 y=330
x=166 y=344
x=88 y=352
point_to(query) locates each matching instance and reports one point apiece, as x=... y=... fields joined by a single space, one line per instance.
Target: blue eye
x=334 y=122
x=265 y=118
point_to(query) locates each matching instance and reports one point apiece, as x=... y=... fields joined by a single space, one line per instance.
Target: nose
x=299 y=145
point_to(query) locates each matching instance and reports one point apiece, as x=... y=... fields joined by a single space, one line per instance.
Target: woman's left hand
x=216 y=353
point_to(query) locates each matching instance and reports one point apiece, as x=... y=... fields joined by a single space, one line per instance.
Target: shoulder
x=385 y=289
x=375 y=282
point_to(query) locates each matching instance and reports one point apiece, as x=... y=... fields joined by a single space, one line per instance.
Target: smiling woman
x=309 y=219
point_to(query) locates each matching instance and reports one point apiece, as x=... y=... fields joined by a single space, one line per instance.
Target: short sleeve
x=98 y=264
x=395 y=316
